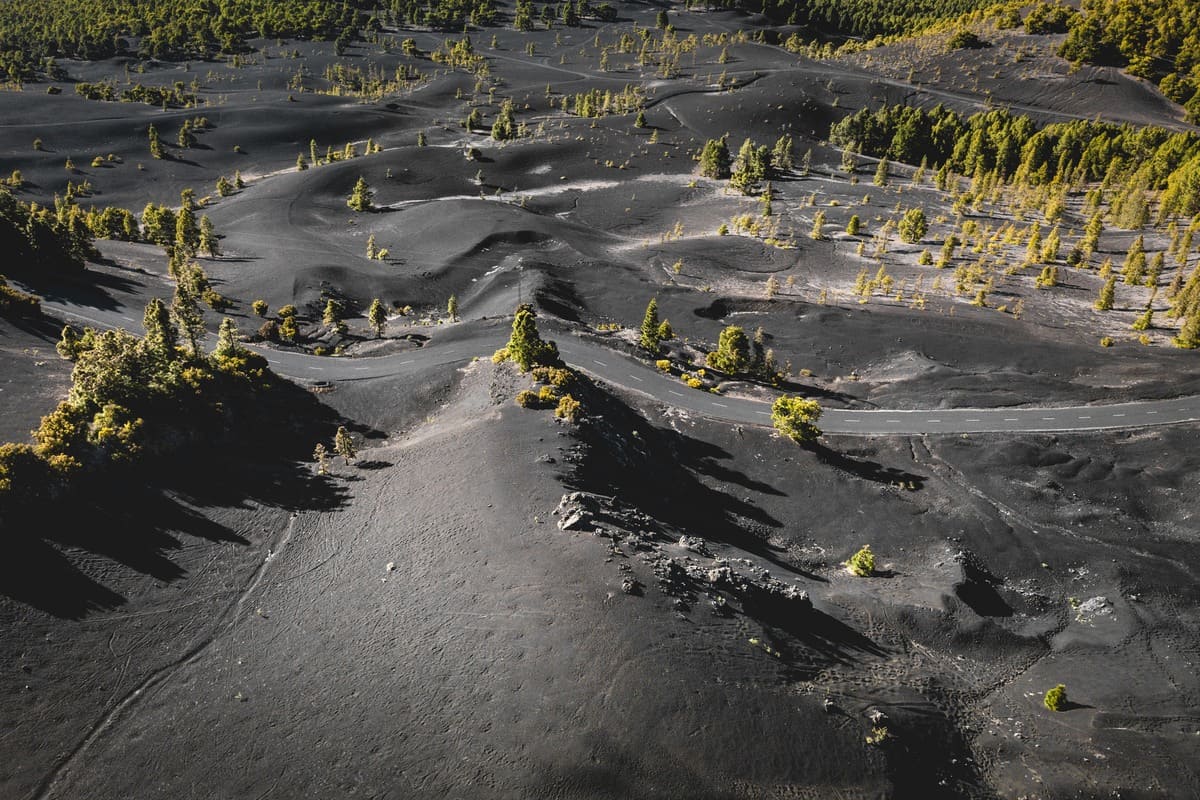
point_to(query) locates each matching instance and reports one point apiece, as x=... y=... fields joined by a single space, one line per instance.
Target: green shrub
x=1056 y=698
x=913 y=226
x=796 y=418
x=526 y=398
x=862 y=563
x=966 y=40
x=547 y=395
x=558 y=377
x=568 y=408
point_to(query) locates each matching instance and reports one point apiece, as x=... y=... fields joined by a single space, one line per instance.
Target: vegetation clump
x=796 y=418
x=1056 y=698
x=862 y=563
x=525 y=347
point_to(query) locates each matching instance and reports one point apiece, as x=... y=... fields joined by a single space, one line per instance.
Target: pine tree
x=301 y=163
x=806 y=163
x=224 y=187
x=1189 y=334
x=881 y=172
x=452 y=308
x=321 y=457
x=1135 y=262
x=289 y=329
x=749 y=168
x=206 y=238
x=1155 y=270
x=1051 y=247
x=781 y=155
x=343 y=444
x=228 y=345
x=1145 y=321
x=185 y=309
x=504 y=128
x=1091 y=235
x=1107 y=292
x=187 y=232
x=377 y=317
x=161 y=337
x=714 y=159
x=913 y=226
x=818 y=224
x=854 y=226
x=360 y=198
x=156 y=149
x=850 y=158
x=333 y=316
x=525 y=347
x=186 y=139
x=732 y=355
x=1033 y=248
x=796 y=418
x=313 y=155
x=1048 y=277
x=650 y=328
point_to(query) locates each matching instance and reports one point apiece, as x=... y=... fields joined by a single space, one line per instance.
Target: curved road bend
x=625 y=371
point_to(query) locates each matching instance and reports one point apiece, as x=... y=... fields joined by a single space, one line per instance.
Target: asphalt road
x=621 y=370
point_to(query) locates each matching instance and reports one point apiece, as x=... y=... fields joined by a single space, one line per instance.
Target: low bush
x=862 y=563
x=1056 y=698
x=569 y=409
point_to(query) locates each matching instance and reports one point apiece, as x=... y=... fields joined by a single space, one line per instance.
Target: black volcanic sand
x=418 y=626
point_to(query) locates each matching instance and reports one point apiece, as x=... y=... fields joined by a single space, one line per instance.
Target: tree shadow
x=864 y=468
x=815 y=633
x=1071 y=705
x=139 y=516
x=659 y=471
x=40 y=326
x=36 y=574
x=90 y=288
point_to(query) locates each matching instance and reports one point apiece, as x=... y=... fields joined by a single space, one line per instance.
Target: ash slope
x=439 y=635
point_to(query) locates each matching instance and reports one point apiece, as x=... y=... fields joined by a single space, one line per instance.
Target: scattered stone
x=631 y=586
x=695 y=544
x=1094 y=607
x=390 y=566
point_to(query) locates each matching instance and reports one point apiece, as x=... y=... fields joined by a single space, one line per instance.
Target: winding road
x=622 y=370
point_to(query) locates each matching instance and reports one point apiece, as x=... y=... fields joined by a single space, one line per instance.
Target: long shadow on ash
x=91 y=288
x=864 y=468
x=813 y=639
x=658 y=471
x=139 y=517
